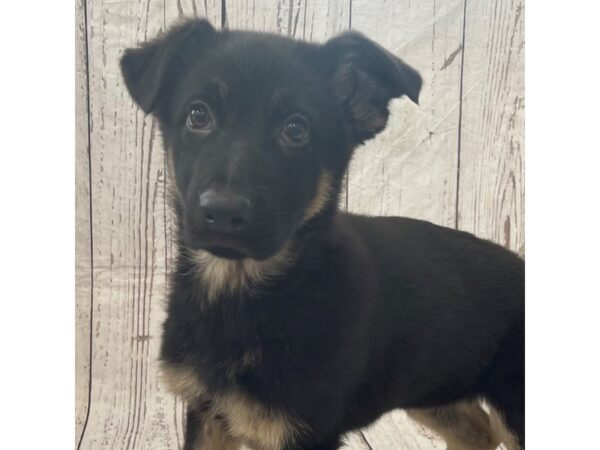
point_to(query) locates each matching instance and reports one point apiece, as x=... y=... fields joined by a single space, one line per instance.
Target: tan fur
x=214 y=436
x=249 y=360
x=324 y=191
x=171 y=181
x=463 y=425
x=245 y=419
x=220 y=275
x=181 y=381
x=499 y=427
x=255 y=425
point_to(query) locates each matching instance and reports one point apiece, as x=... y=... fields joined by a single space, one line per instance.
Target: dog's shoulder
x=419 y=237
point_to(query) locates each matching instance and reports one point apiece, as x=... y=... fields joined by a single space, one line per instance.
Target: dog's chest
x=246 y=418
x=231 y=353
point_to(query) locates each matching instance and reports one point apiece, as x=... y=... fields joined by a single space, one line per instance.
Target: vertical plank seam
x=290 y=17
x=362 y=434
x=349 y=14
x=347 y=193
x=89 y=155
x=460 y=115
x=223 y=14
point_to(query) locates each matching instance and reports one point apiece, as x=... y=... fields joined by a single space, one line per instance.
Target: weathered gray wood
x=185 y=9
x=83 y=264
x=397 y=431
x=127 y=403
x=491 y=187
x=313 y=20
x=129 y=406
x=319 y=20
x=410 y=168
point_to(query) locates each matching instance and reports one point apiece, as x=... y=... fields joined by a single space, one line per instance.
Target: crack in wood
x=364 y=439
x=86 y=63
x=460 y=116
x=451 y=58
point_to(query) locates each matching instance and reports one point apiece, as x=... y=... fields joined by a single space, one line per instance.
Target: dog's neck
x=221 y=276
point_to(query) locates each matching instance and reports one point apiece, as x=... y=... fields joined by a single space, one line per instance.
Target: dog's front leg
x=205 y=431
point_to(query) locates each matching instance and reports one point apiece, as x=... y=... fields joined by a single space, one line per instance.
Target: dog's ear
x=149 y=68
x=365 y=78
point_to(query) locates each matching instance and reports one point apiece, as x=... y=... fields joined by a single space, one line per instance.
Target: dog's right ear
x=365 y=77
x=150 y=68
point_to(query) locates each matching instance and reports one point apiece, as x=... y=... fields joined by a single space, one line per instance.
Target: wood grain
x=491 y=187
x=319 y=20
x=397 y=431
x=129 y=407
x=127 y=403
x=312 y=20
x=410 y=168
x=184 y=9
x=83 y=251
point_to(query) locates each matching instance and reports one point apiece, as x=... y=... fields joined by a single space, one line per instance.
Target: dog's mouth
x=225 y=246
x=222 y=246
x=226 y=252
x=258 y=245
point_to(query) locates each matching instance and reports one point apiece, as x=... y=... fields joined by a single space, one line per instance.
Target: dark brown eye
x=199 y=118
x=295 y=130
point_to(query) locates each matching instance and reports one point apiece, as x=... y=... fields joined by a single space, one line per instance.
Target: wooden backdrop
x=456 y=160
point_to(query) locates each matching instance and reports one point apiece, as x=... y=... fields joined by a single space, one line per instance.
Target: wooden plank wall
x=456 y=159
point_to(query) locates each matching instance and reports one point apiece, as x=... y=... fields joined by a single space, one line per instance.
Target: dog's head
x=260 y=128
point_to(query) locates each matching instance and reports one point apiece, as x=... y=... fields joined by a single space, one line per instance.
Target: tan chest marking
x=257 y=426
x=246 y=419
x=181 y=381
x=321 y=198
x=220 y=275
x=501 y=429
x=214 y=436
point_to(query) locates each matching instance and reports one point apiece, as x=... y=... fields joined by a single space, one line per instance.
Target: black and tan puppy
x=291 y=323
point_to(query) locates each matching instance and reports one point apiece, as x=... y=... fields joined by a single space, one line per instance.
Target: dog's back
x=449 y=310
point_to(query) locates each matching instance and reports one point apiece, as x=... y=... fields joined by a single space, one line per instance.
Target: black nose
x=225 y=212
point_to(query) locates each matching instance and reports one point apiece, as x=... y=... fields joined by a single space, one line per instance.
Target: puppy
x=290 y=322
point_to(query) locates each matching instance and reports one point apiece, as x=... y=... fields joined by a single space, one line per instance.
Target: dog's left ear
x=365 y=78
x=149 y=69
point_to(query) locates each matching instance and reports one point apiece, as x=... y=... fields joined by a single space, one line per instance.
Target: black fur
x=372 y=313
